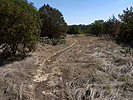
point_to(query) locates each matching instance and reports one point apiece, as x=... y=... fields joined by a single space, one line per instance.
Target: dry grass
x=17 y=75
x=90 y=69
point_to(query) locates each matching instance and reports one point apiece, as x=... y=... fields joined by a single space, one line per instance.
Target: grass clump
x=106 y=86
x=122 y=78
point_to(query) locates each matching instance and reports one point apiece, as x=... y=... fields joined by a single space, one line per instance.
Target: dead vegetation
x=89 y=69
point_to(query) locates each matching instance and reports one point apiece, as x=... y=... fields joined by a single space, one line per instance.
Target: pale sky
x=86 y=11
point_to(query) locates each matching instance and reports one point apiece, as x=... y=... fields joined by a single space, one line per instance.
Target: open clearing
x=85 y=68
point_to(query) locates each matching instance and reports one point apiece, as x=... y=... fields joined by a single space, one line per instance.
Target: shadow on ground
x=4 y=61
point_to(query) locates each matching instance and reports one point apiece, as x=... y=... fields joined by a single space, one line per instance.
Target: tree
x=54 y=25
x=30 y=9
x=127 y=16
x=17 y=29
x=125 y=32
x=82 y=28
x=73 y=29
x=96 y=28
x=115 y=28
x=108 y=25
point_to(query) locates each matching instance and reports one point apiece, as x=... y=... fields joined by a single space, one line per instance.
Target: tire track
x=53 y=57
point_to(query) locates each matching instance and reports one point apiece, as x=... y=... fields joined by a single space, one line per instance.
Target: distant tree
x=99 y=22
x=73 y=29
x=107 y=28
x=108 y=25
x=54 y=25
x=87 y=28
x=115 y=28
x=17 y=29
x=96 y=27
x=82 y=28
x=127 y=16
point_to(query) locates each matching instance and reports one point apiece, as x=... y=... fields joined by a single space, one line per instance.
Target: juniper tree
x=16 y=29
x=53 y=24
x=125 y=31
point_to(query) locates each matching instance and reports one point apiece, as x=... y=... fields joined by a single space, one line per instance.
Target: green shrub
x=73 y=29
x=53 y=41
x=80 y=32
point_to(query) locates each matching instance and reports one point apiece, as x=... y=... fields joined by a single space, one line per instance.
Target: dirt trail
x=41 y=77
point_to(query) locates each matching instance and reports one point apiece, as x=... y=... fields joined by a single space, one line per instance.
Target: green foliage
x=127 y=16
x=73 y=29
x=53 y=22
x=56 y=41
x=106 y=86
x=30 y=9
x=122 y=78
x=80 y=32
x=96 y=27
x=125 y=31
x=82 y=28
x=17 y=29
x=111 y=26
x=53 y=41
x=45 y=41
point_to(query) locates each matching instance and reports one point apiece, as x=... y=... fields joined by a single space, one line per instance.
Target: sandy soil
x=85 y=68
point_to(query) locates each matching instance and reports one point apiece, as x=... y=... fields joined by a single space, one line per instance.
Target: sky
x=86 y=11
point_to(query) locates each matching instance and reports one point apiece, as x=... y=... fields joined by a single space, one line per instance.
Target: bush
x=80 y=32
x=53 y=41
x=124 y=33
x=73 y=29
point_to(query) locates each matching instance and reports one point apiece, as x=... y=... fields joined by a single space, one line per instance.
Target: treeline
x=120 y=30
x=22 y=24
x=75 y=29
